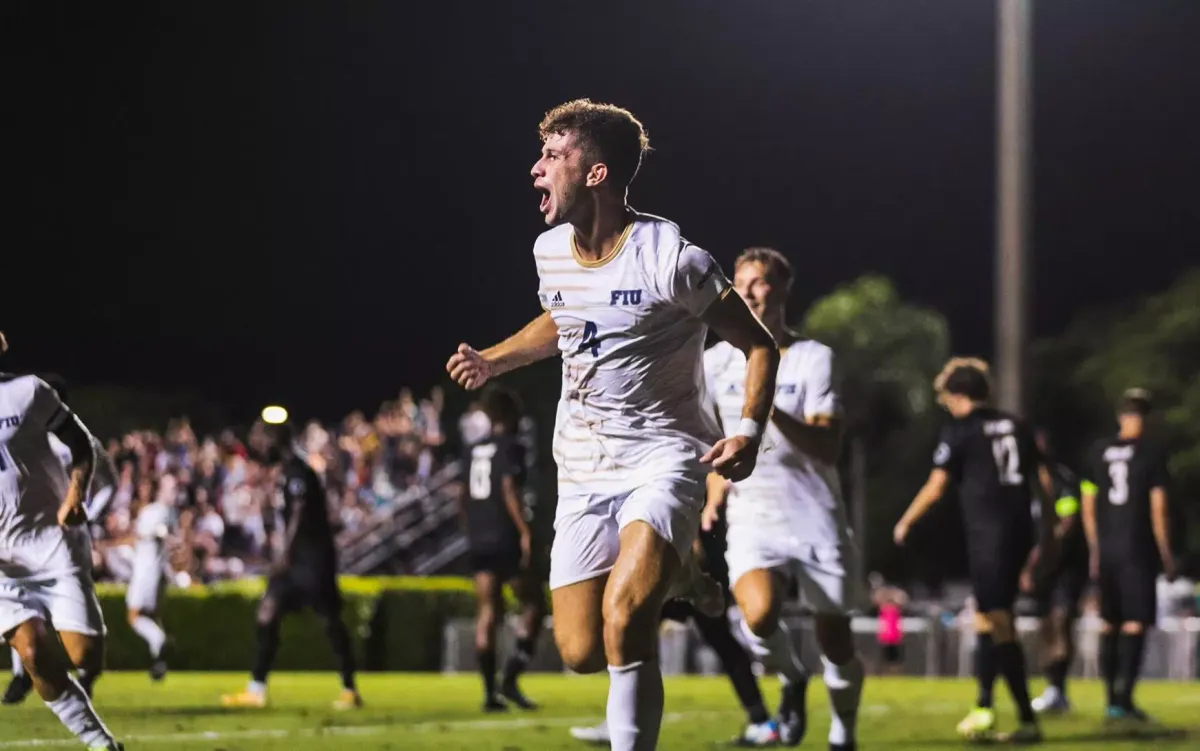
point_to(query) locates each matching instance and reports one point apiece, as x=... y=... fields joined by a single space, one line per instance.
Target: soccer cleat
x=348 y=699
x=158 y=670
x=245 y=699
x=758 y=735
x=17 y=690
x=851 y=746
x=1051 y=702
x=512 y=693
x=1026 y=733
x=597 y=735
x=494 y=704
x=793 y=713
x=978 y=725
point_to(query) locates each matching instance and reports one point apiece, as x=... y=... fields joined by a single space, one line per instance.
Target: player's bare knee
x=580 y=654
x=1132 y=627
x=835 y=637
x=132 y=616
x=759 y=608
x=630 y=630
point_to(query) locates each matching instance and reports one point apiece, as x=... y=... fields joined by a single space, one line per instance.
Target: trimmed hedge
x=395 y=623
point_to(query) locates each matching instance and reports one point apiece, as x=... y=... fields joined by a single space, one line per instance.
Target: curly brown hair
x=607 y=133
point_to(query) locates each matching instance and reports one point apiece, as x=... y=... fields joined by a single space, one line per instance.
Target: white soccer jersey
x=154 y=523
x=788 y=491
x=631 y=338
x=33 y=481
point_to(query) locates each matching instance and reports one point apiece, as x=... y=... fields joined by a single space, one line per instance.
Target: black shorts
x=299 y=589
x=996 y=578
x=1128 y=591
x=1062 y=590
x=892 y=653
x=504 y=565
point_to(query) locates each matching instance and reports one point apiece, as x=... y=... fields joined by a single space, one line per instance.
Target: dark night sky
x=314 y=204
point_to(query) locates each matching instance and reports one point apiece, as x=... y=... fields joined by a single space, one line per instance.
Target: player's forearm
x=821 y=442
x=716 y=490
x=537 y=341
x=1089 y=520
x=920 y=505
x=1159 y=521
x=80 y=478
x=513 y=506
x=762 y=362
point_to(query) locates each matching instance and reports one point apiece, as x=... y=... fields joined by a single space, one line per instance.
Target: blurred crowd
x=227 y=507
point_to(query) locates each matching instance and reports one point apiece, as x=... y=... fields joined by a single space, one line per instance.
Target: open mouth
x=545 y=204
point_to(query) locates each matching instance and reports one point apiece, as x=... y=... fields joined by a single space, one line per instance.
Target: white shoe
x=1051 y=702
x=597 y=735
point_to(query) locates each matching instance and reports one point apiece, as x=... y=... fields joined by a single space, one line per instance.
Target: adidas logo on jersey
x=557 y=301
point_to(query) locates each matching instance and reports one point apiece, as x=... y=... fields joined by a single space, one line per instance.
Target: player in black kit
x=305 y=574
x=1126 y=519
x=502 y=549
x=1059 y=581
x=992 y=459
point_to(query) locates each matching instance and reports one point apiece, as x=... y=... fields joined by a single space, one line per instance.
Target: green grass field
x=413 y=712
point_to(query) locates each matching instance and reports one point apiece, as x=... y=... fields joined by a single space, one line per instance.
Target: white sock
x=777 y=652
x=18 y=667
x=845 y=684
x=77 y=714
x=151 y=633
x=256 y=688
x=635 y=706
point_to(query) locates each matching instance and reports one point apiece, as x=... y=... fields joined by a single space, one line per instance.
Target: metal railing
x=929 y=648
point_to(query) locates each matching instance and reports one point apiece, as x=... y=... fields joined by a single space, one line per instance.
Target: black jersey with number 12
x=992 y=459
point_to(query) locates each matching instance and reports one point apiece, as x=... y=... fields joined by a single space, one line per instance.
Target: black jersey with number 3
x=490 y=526
x=992 y=459
x=1122 y=473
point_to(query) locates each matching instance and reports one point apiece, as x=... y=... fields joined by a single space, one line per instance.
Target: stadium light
x=274 y=415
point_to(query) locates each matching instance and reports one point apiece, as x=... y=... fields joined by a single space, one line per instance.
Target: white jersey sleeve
x=697 y=281
x=821 y=397
x=46 y=410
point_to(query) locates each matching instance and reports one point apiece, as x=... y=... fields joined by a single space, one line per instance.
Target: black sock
x=87 y=680
x=985 y=669
x=518 y=662
x=343 y=650
x=1108 y=665
x=1011 y=658
x=1056 y=675
x=487 y=669
x=265 y=649
x=737 y=665
x=1130 y=648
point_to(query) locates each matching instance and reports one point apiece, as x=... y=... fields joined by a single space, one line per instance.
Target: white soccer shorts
x=587 y=527
x=824 y=573
x=50 y=577
x=145 y=589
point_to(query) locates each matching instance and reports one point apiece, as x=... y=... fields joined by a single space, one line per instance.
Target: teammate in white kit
x=84 y=648
x=627 y=305
x=787 y=520
x=154 y=524
x=41 y=574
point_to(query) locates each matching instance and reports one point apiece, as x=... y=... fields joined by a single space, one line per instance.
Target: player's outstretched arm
x=734 y=457
x=716 y=492
x=471 y=368
x=931 y=493
x=75 y=437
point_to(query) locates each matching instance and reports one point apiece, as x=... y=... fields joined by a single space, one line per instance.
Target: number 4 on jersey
x=590 y=339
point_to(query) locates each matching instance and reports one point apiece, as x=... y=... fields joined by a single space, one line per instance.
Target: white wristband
x=750 y=428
